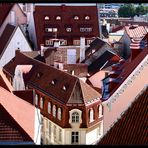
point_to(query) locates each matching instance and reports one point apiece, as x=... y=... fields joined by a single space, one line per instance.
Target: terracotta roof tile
x=135 y=31
x=131 y=128
x=10 y=130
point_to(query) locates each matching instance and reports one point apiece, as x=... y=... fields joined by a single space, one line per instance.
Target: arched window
x=100 y=111
x=91 y=115
x=87 y=17
x=54 y=110
x=46 y=17
x=58 y=18
x=75 y=117
x=76 y=17
x=49 y=107
x=36 y=99
x=59 y=114
x=41 y=102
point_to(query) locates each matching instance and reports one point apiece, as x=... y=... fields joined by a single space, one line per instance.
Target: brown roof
x=131 y=128
x=26 y=95
x=47 y=74
x=67 y=14
x=10 y=130
x=5 y=8
x=5 y=37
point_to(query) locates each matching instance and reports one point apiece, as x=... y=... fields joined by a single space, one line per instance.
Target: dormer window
x=87 y=17
x=58 y=18
x=65 y=88
x=46 y=17
x=76 y=18
x=39 y=74
x=68 y=29
x=53 y=82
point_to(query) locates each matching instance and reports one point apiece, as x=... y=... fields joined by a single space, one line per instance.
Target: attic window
x=53 y=82
x=65 y=88
x=58 y=18
x=76 y=18
x=39 y=74
x=46 y=17
x=87 y=17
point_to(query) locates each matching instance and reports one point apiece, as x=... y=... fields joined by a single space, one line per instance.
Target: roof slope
x=135 y=31
x=10 y=130
x=4 y=10
x=8 y=31
x=131 y=128
x=41 y=77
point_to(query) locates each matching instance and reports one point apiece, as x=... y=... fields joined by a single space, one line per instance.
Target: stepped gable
x=131 y=128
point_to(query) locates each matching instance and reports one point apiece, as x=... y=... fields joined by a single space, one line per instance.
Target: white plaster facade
x=122 y=98
x=17 y=40
x=18 y=18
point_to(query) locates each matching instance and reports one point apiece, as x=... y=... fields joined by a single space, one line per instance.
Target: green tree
x=128 y=10
x=140 y=10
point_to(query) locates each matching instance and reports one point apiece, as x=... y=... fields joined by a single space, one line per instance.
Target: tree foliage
x=128 y=10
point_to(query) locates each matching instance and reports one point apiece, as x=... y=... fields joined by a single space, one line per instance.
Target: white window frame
x=87 y=17
x=49 y=29
x=55 y=29
x=41 y=103
x=76 y=17
x=36 y=99
x=49 y=107
x=91 y=115
x=68 y=29
x=100 y=110
x=59 y=113
x=75 y=117
x=46 y=18
x=58 y=17
x=48 y=42
x=54 y=111
x=75 y=135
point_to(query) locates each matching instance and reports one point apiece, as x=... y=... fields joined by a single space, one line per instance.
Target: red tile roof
x=131 y=128
x=5 y=37
x=10 y=130
x=67 y=14
x=135 y=31
x=47 y=74
x=4 y=10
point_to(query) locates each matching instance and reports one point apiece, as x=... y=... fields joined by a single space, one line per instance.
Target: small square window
x=76 y=18
x=46 y=17
x=58 y=18
x=68 y=29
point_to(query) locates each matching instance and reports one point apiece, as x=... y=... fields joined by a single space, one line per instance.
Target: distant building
x=65 y=22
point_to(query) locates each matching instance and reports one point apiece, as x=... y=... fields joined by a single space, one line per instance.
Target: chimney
x=12 y=18
x=82 y=48
x=42 y=50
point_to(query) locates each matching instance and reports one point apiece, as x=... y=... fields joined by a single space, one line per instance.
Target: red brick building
x=65 y=22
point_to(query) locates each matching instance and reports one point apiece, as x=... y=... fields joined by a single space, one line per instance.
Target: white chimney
x=42 y=50
x=12 y=18
x=82 y=48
